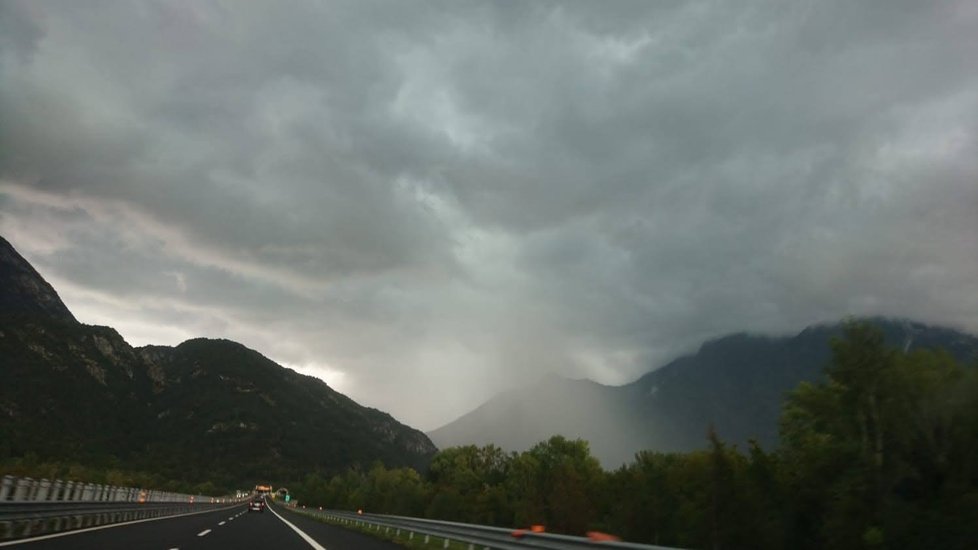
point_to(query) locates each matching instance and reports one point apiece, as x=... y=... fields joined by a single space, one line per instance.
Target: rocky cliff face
x=204 y=410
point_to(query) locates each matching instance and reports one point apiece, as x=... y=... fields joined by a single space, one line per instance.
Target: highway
x=232 y=527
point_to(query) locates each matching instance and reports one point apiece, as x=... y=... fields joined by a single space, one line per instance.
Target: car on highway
x=257 y=504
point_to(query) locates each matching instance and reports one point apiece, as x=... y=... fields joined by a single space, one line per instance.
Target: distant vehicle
x=257 y=504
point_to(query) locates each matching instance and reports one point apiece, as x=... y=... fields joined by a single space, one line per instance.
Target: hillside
x=204 y=410
x=217 y=401
x=736 y=383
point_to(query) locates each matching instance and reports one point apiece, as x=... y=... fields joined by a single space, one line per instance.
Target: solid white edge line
x=304 y=536
x=123 y=524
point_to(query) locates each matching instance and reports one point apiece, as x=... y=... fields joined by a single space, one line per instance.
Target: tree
x=871 y=453
x=467 y=484
x=833 y=437
x=556 y=483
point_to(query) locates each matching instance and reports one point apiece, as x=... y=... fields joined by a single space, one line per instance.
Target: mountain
x=205 y=410
x=240 y=403
x=24 y=291
x=736 y=384
x=519 y=418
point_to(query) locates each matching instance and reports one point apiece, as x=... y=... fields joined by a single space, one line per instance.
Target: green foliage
x=466 y=483
x=882 y=454
x=889 y=438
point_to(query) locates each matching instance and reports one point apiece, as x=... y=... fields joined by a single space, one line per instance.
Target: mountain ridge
x=25 y=291
x=203 y=410
x=735 y=383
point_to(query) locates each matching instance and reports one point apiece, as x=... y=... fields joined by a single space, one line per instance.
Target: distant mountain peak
x=24 y=292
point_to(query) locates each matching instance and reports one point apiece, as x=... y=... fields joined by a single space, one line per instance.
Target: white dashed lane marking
x=222 y=523
x=203 y=533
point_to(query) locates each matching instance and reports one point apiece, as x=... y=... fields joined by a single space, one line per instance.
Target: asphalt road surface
x=227 y=528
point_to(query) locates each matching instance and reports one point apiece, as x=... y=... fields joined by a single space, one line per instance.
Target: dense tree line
x=882 y=454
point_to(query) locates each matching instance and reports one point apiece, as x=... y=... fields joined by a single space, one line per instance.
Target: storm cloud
x=426 y=202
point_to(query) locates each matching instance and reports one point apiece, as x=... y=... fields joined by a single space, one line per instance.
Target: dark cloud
x=427 y=202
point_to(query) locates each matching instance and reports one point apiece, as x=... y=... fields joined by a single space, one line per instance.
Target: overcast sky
x=426 y=202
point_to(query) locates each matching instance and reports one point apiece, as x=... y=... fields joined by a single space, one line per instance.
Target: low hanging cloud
x=425 y=203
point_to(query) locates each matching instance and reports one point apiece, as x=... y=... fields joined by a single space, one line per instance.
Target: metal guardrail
x=476 y=536
x=39 y=506
x=25 y=489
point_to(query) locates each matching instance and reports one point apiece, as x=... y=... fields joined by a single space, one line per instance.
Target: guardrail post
x=445 y=545
x=44 y=488
x=23 y=490
x=56 y=487
x=7 y=487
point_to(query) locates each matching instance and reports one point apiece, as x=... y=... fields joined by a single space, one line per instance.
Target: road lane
x=161 y=533
x=333 y=537
x=228 y=528
x=309 y=540
x=249 y=530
